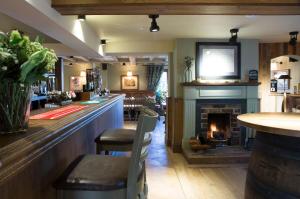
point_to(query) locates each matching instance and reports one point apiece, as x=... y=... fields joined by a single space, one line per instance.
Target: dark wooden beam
x=177 y=7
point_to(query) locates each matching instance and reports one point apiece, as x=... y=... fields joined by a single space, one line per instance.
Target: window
x=163 y=83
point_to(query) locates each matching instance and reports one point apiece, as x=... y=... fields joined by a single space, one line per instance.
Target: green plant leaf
x=15 y=38
x=3 y=39
x=35 y=60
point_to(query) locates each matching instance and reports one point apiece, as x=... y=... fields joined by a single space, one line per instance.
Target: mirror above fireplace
x=218 y=60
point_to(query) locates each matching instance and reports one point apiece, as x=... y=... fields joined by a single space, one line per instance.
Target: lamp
x=81 y=17
x=154 y=27
x=234 y=35
x=284 y=77
x=293 y=38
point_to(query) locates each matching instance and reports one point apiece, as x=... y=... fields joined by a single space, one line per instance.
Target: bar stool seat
x=117 y=136
x=115 y=140
x=89 y=172
x=119 y=139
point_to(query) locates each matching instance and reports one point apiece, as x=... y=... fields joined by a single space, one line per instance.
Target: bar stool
x=108 y=177
x=119 y=139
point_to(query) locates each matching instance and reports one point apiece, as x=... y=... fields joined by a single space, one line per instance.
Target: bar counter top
x=19 y=150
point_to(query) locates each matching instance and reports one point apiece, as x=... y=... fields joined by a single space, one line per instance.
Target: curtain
x=154 y=73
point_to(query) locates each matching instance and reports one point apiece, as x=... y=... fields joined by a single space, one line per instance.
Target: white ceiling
x=136 y=27
x=7 y=24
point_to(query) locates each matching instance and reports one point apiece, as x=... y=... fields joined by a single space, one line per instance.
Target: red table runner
x=58 y=113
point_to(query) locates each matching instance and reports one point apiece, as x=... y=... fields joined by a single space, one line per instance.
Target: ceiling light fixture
x=293 y=38
x=154 y=27
x=81 y=17
x=234 y=35
x=103 y=42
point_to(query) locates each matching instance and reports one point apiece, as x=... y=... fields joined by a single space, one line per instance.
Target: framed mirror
x=218 y=60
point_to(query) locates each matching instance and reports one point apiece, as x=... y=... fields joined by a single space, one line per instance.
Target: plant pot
x=15 y=100
x=188 y=75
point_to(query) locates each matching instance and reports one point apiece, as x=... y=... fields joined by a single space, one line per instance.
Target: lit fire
x=213 y=128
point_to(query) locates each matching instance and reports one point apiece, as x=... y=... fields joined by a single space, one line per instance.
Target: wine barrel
x=274 y=168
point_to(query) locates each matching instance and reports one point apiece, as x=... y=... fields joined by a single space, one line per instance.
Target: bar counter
x=274 y=167
x=30 y=162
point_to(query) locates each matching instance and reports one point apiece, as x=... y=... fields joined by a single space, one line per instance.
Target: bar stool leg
x=98 y=149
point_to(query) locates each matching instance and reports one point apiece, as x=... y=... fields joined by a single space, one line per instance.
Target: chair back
x=146 y=124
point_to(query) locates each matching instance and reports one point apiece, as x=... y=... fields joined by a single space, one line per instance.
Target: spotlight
x=103 y=42
x=293 y=38
x=234 y=35
x=154 y=27
x=81 y=17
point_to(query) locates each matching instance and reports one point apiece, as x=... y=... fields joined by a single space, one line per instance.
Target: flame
x=213 y=128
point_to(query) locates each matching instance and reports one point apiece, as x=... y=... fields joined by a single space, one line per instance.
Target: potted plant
x=188 y=72
x=22 y=62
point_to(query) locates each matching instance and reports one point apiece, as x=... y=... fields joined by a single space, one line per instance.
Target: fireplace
x=218 y=126
x=216 y=121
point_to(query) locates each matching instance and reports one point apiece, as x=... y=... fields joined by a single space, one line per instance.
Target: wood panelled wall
x=174 y=124
x=268 y=51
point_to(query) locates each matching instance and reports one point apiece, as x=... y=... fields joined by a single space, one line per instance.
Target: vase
x=188 y=75
x=15 y=101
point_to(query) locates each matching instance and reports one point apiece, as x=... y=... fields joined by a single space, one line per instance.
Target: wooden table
x=274 y=168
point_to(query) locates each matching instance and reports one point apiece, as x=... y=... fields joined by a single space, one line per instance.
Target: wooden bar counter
x=274 y=168
x=32 y=161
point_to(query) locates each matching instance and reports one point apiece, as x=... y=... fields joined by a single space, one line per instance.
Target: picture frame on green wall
x=129 y=82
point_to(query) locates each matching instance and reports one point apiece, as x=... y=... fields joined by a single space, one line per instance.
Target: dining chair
x=109 y=177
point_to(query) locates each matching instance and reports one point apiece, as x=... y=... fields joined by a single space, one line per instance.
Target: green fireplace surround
x=193 y=93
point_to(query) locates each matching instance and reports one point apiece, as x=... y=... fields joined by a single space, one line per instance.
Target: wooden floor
x=170 y=177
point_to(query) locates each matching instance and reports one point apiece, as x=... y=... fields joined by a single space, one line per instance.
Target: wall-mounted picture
x=75 y=83
x=129 y=82
x=218 y=60
x=282 y=85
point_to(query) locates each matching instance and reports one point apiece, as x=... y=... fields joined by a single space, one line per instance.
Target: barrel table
x=274 y=167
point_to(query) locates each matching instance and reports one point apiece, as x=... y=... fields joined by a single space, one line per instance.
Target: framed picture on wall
x=130 y=82
x=76 y=83
x=218 y=60
x=281 y=86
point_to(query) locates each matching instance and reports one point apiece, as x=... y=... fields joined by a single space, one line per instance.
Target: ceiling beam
x=177 y=7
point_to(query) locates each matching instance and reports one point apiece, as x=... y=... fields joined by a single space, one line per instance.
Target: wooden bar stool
x=119 y=139
x=108 y=177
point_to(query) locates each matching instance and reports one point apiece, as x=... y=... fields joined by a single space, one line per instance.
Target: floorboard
x=170 y=176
